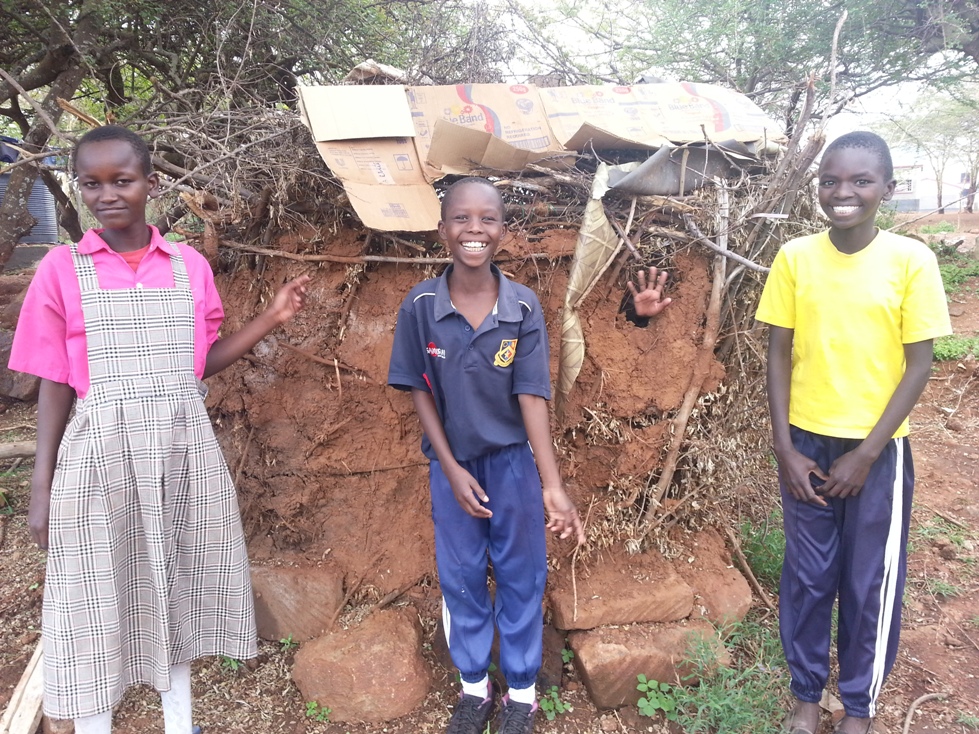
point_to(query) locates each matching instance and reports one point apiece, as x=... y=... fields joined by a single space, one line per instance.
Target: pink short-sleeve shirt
x=50 y=338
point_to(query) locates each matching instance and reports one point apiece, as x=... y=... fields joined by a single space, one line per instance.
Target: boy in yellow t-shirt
x=853 y=312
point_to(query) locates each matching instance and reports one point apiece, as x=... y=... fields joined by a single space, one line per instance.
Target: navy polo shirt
x=475 y=376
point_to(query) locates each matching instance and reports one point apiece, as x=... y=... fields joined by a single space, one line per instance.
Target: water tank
x=40 y=204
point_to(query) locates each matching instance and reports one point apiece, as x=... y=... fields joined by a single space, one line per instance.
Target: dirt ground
x=306 y=461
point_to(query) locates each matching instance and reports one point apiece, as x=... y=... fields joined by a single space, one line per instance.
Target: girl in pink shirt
x=147 y=568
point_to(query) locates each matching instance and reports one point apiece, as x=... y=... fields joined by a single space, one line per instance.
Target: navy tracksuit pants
x=854 y=548
x=514 y=539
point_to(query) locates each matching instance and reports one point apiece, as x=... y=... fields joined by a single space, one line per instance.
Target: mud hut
x=659 y=427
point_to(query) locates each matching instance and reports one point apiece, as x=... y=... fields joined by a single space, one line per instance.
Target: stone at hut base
x=373 y=672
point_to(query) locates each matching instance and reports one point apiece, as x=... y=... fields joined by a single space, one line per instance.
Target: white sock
x=97 y=724
x=520 y=695
x=176 y=702
x=480 y=689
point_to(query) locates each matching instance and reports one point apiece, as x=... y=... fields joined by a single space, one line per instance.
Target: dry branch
x=18 y=450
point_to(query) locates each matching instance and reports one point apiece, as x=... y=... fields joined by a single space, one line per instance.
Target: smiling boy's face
x=472 y=224
x=852 y=186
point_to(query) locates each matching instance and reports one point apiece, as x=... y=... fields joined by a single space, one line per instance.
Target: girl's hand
x=467 y=492
x=796 y=469
x=648 y=297
x=39 y=512
x=562 y=515
x=290 y=299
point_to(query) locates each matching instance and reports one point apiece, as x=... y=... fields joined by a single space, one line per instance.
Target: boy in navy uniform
x=471 y=346
x=852 y=313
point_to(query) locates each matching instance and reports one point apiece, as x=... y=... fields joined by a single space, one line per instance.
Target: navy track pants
x=514 y=538
x=854 y=548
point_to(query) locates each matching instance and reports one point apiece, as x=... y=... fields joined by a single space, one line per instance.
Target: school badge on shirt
x=504 y=357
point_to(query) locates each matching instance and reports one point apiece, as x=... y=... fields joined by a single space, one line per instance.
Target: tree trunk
x=15 y=220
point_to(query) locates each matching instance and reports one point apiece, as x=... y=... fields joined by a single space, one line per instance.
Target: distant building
x=917 y=189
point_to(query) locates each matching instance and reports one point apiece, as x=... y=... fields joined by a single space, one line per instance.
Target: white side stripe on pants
x=892 y=564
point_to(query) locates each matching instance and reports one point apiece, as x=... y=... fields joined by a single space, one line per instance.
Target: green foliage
x=886 y=217
x=968 y=720
x=937 y=228
x=552 y=705
x=567 y=655
x=230 y=665
x=942 y=589
x=952 y=347
x=288 y=644
x=743 y=698
x=764 y=548
x=974 y=621
x=316 y=712
x=658 y=697
x=956 y=272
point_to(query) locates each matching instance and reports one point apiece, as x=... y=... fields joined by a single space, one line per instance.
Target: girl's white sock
x=480 y=689
x=522 y=695
x=177 y=717
x=97 y=724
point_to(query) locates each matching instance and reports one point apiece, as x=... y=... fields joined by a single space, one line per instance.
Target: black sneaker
x=516 y=718
x=471 y=714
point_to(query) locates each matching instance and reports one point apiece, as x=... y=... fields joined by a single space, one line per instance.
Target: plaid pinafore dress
x=147 y=565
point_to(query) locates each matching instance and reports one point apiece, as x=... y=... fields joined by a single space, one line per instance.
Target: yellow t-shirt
x=851 y=316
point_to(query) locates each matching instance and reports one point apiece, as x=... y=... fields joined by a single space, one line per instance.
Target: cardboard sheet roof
x=388 y=143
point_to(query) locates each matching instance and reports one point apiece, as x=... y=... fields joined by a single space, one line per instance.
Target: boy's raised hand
x=290 y=299
x=648 y=297
x=562 y=516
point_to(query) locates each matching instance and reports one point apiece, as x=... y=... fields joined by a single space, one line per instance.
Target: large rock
x=371 y=673
x=297 y=601
x=609 y=659
x=723 y=594
x=621 y=590
x=15 y=385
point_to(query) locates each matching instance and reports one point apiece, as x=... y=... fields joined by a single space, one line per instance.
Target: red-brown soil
x=329 y=471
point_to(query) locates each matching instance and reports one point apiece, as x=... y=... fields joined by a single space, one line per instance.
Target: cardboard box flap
x=462 y=150
x=590 y=135
x=350 y=112
x=383 y=161
x=405 y=208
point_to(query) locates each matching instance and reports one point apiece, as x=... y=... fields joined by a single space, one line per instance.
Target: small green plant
x=288 y=644
x=567 y=655
x=551 y=703
x=658 y=697
x=968 y=720
x=231 y=665
x=764 y=547
x=943 y=589
x=316 y=712
x=975 y=621
x=937 y=228
x=953 y=347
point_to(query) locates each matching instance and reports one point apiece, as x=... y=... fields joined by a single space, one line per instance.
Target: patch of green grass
x=968 y=720
x=974 y=621
x=954 y=347
x=936 y=527
x=942 y=589
x=886 y=217
x=937 y=228
x=745 y=697
x=764 y=547
x=956 y=271
x=551 y=703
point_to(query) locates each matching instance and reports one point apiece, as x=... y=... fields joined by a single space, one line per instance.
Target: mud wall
x=327 y=458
